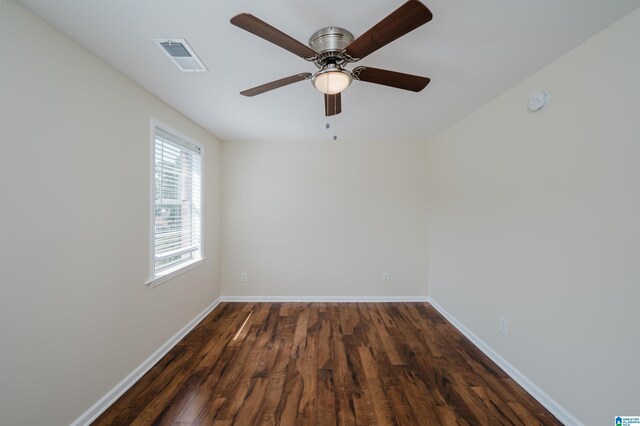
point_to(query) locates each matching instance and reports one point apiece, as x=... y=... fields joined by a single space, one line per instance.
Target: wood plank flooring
x=325 y=364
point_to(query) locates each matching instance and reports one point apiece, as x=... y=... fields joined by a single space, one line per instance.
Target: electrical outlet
x=243 y=276
x=504 y=326
x=386 y=277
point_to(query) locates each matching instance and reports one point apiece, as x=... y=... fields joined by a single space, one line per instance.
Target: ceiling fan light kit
x=331 y=80
x=329 y=43
x=331 y=49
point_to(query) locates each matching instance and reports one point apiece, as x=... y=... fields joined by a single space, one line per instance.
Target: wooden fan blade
x=260 y=28
x=275 y=84
x=332 y=104
x=399 y=80
x=406 y=18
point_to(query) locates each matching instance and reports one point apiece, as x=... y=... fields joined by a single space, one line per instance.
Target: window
x=176 y=204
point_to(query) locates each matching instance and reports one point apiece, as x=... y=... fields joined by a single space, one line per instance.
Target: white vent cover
x=181 y=54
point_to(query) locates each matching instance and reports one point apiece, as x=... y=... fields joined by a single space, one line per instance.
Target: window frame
x=156 y=278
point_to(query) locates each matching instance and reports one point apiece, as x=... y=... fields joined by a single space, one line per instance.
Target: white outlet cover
x=504 y=326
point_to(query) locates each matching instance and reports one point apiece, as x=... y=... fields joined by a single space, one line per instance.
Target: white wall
x=324 y=218
x=75 y=314
x=535 y=217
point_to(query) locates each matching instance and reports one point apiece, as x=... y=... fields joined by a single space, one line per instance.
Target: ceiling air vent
x=181 y=54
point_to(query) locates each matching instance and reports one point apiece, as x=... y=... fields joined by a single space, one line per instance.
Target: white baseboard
x=549 y=403
x=116 y=392
x=324 y=299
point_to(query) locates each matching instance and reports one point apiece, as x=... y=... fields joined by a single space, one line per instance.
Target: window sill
x=172 y=273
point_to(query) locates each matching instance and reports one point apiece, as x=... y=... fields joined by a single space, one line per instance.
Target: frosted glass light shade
x=331 y=81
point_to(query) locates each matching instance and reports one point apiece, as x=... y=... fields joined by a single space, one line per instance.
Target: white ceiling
x=473 y=50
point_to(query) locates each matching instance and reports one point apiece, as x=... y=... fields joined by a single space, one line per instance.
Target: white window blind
x=177 y=207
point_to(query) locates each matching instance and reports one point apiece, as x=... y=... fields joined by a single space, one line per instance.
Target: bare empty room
x=319 y=213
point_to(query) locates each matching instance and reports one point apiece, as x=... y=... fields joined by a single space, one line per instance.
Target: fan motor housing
x=329 y=42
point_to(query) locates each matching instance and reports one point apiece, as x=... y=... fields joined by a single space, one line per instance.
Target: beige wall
x=75 y=315
x=535 y=217
x=324 y=219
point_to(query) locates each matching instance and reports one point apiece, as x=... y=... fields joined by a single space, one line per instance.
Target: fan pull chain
x=335 y=118
x=328 y=126
x=335 y=126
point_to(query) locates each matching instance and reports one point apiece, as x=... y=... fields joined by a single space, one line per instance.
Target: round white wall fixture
x=538 y=100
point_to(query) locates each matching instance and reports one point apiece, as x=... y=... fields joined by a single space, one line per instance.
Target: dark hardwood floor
x=325 y=364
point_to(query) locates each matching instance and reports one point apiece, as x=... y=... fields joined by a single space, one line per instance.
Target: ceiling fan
x=332 y=48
